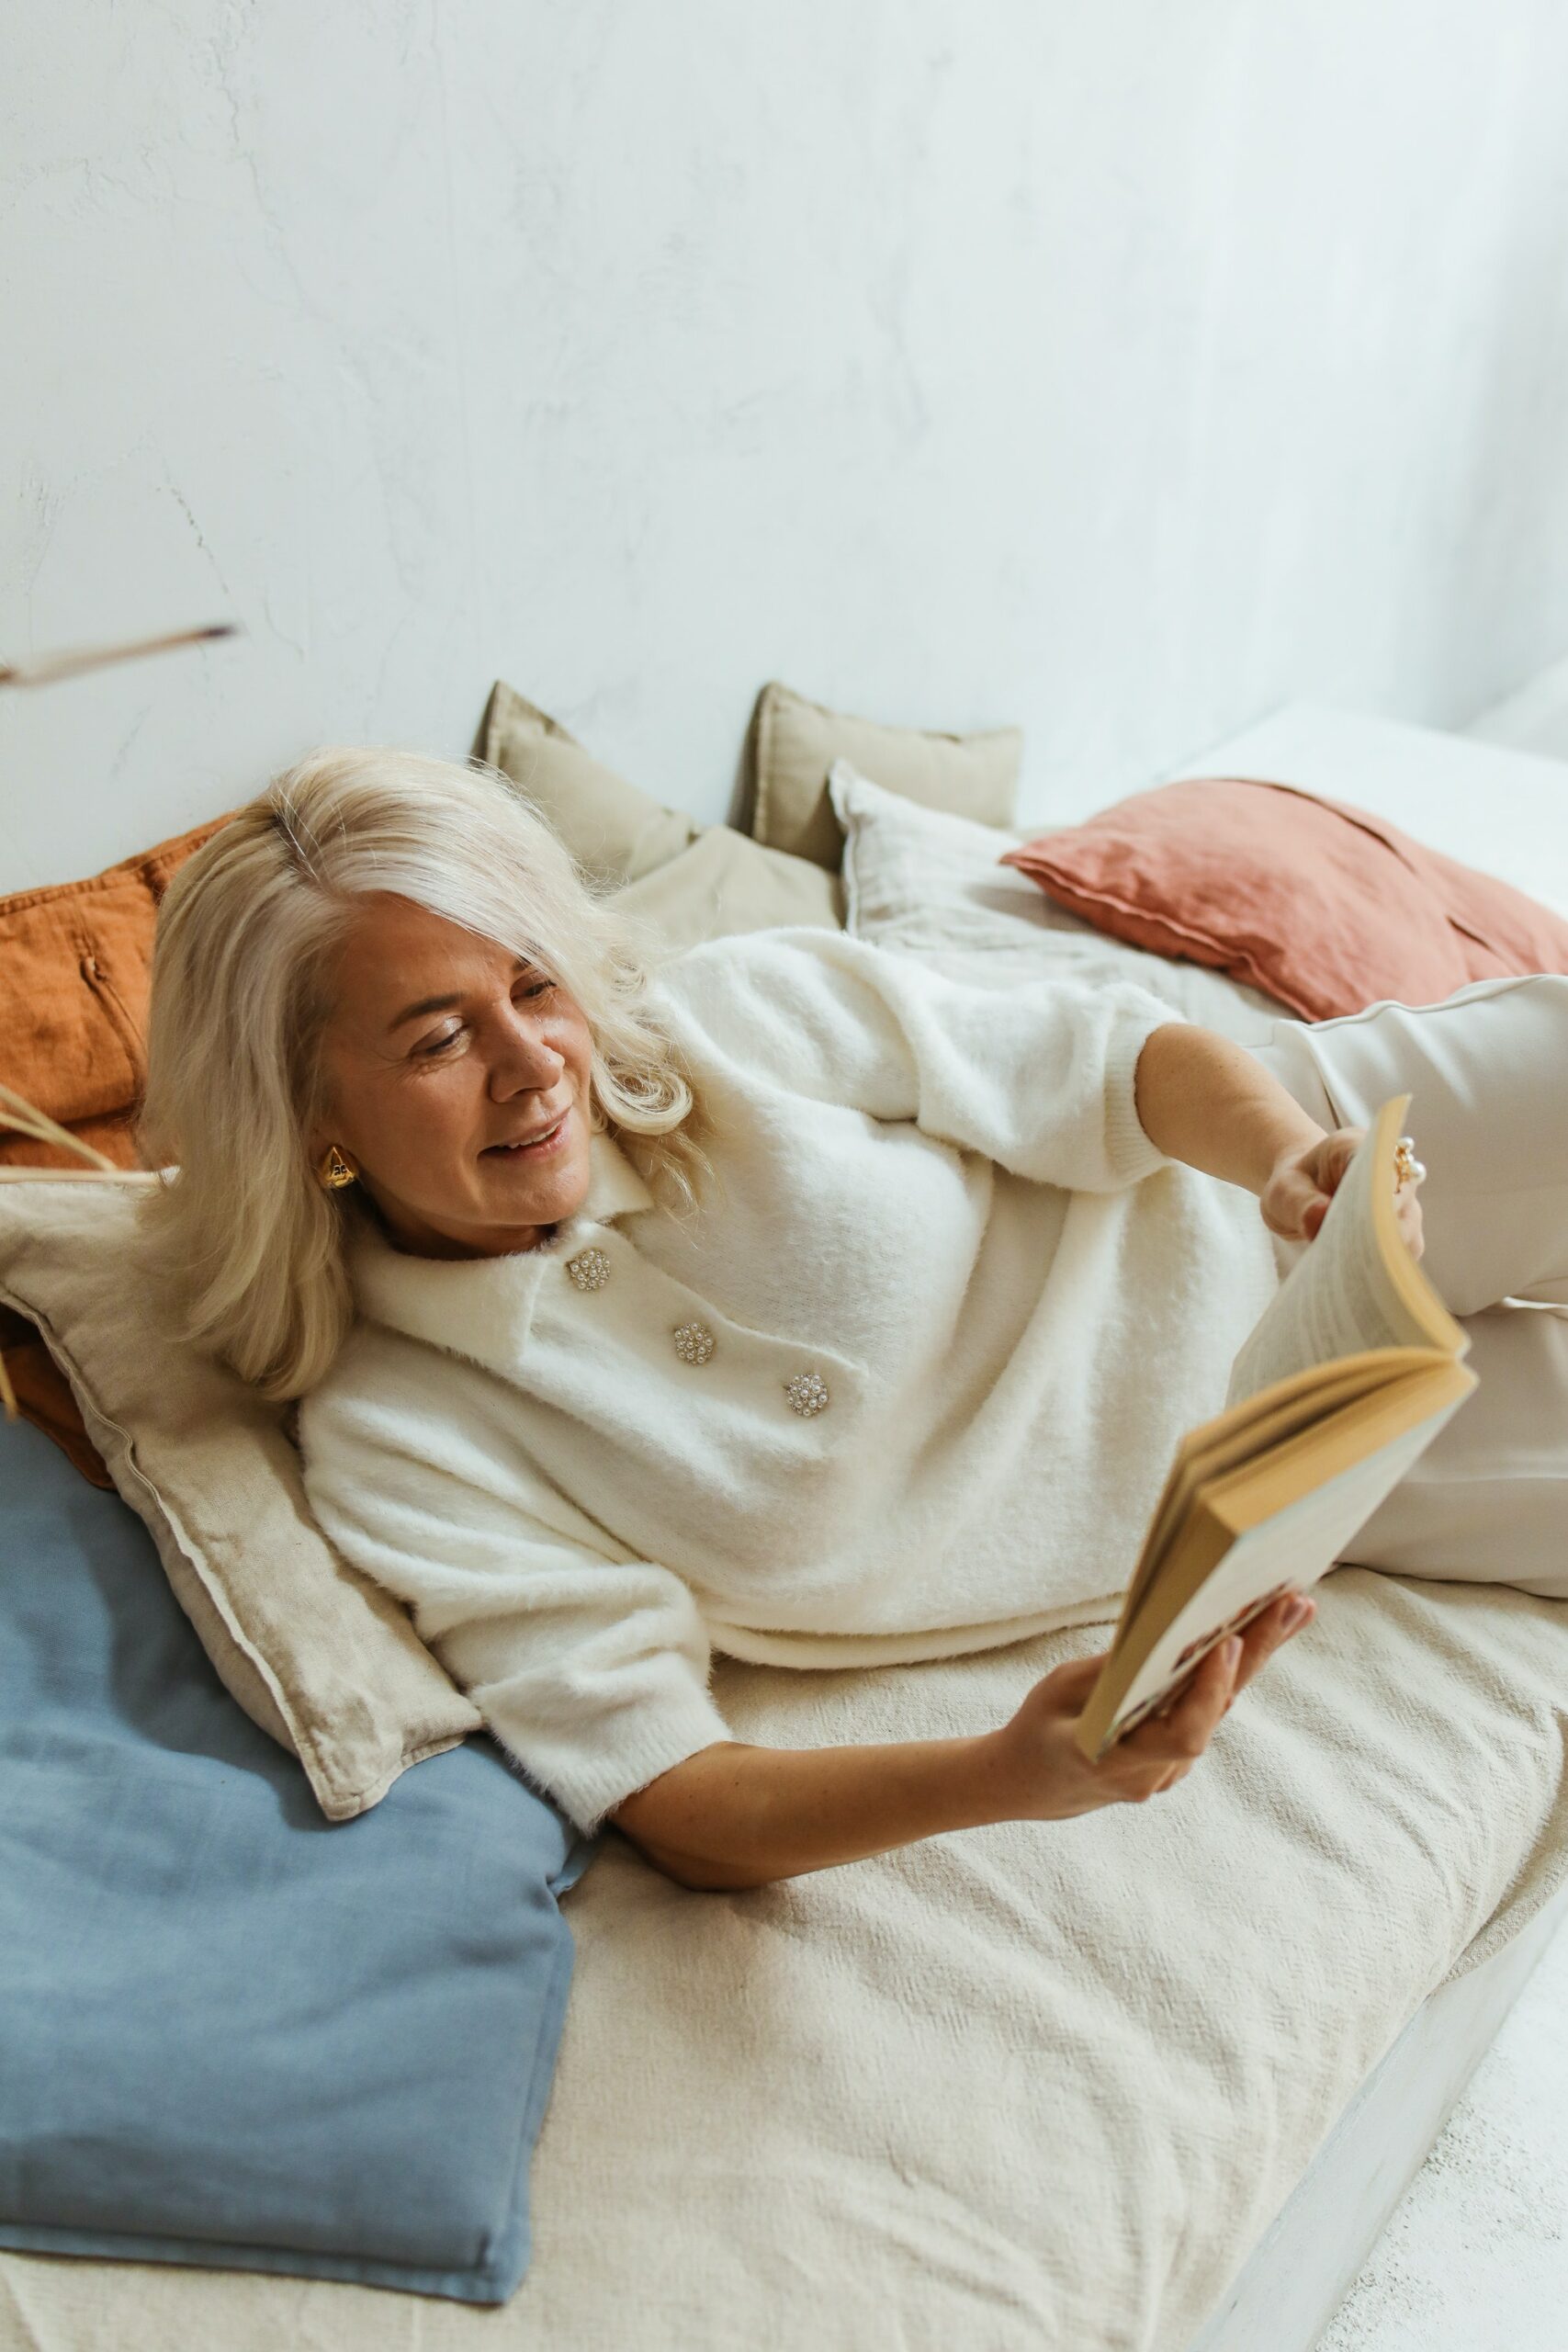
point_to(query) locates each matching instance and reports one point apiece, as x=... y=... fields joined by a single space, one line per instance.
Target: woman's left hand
x=1296 y=1200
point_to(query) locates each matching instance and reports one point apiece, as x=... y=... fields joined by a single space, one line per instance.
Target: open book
x=1347 y=1377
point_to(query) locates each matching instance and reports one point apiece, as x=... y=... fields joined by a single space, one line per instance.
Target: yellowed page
x=1356 y=1286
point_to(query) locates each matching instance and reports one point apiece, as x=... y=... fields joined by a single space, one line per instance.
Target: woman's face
x=441 y=1053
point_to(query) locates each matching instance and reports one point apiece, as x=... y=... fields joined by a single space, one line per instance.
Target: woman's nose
x=522 y=1060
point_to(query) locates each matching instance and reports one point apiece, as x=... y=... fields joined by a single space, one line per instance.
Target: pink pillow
x=1316 y=903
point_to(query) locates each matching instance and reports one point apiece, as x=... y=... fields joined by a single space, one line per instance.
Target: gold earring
x=335 y=1171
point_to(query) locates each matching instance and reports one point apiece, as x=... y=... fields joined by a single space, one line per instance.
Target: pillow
x=727 y=882
x=1327 y=908
x=794 y=742
x=77 y=959
x=319 y=1656
x=613 y=830
x=1501 y=810
x=929 y=884
x=232 y=2036
x=77 y=963
x=692 y=882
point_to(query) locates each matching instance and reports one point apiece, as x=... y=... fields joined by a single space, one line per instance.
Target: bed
x=1148 y=2082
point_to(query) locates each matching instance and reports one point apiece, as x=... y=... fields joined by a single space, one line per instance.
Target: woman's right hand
x=1044 y=1772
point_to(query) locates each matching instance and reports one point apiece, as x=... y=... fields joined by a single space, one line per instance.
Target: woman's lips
x=550 y=1141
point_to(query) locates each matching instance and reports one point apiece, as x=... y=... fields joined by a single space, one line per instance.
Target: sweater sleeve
x=1037 y=1075
x=591 y=1670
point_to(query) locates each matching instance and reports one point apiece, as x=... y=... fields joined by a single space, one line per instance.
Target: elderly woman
x=784 y=1297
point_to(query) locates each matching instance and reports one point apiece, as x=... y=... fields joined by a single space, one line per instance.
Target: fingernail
x=1233 y=1649
x=1297 y=1614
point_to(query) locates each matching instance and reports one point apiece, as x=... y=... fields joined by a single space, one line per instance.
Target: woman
x=783 y=1299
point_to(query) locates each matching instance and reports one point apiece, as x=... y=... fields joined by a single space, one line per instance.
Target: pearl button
x=694 y=1342
x=590 y=1270
x=807 y=1394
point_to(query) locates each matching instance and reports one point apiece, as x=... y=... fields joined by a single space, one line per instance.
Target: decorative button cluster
x=590 y=1270
x=807 y=1394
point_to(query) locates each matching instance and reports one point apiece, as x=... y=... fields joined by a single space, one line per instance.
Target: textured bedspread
x=1026 y=2085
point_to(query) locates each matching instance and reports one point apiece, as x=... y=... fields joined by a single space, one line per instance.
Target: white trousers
x=1486 y=1072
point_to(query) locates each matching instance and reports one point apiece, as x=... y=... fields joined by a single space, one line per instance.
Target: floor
x=1475 y=2258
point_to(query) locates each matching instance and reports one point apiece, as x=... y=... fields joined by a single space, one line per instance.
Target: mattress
x=1033 y=2084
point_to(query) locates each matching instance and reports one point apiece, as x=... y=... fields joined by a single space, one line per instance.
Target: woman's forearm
x=733 y=1815
x=1203 y=1099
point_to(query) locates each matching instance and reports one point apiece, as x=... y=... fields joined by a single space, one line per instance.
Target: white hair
x=239 y=1226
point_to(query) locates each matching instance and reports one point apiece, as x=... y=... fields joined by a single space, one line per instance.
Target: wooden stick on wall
x=47 y=667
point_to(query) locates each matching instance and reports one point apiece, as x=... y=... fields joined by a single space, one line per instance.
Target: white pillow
x=926 y=883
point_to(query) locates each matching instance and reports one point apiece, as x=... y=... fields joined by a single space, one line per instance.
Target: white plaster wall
x=1119 y=369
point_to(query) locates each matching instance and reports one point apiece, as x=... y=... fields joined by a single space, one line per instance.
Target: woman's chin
x=540 y=1193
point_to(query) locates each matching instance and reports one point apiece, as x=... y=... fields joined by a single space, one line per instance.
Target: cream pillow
x=929 y=884
x=614 y=830
x=316 y=1654
x=794 y=742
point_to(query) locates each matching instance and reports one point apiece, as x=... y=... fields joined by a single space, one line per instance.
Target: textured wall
x=1119 y=369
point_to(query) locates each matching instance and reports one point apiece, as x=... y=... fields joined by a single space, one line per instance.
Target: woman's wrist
x=1276 y=1139
x=999 y=1777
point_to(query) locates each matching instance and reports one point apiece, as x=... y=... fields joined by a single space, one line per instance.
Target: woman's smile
x=537 y=1147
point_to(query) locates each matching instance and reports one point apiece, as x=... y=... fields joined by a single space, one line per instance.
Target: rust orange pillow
x=1313 y=901
x=75 y=966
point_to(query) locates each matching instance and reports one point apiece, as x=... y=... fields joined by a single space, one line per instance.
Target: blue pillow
x=232 y=2032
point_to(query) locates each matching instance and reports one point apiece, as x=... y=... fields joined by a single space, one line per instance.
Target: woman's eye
x=438 y=1046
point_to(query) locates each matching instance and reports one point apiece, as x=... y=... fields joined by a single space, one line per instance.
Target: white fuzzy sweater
x=936 y=1198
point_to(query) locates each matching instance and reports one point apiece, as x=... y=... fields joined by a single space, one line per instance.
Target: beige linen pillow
x=693 y=882
x=725 y=882
x=316 y=1654
x=795 y=743
x=616 y=831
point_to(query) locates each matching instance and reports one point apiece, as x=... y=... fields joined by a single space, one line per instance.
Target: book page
x=1342 y=1297
x=1294 y=1546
